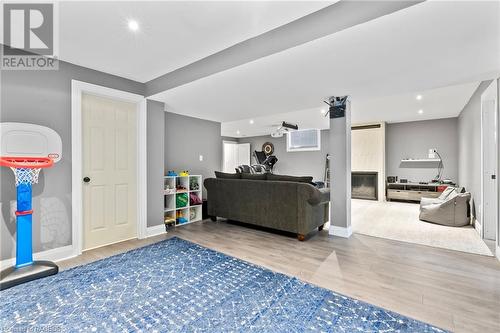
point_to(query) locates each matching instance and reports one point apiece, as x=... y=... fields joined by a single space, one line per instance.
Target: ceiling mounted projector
x=283 y=128
x=288 y=126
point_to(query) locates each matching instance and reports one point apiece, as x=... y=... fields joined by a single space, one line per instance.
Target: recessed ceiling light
x=238 y=132
x=251 y=121
x=419 y=97
x=420 y=111
x=133 y=25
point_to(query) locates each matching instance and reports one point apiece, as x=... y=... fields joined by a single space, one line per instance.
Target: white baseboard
x=57 y=254
x=156 y=230
x=340 y=231
x=67 y=252
x=478 y=227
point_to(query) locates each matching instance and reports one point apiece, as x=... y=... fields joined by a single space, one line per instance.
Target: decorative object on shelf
x=268 y=148
x=392 y=179
x=181 y=200
x=403 y=181
x=193 y=184
x=194 y=199
x=184 y=173
x=169 y=189
x=181 y=189
x=192 y=214
x=440 y=167
x=171 y=173
x=180 y=217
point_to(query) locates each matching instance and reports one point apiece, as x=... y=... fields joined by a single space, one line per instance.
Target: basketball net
x=26 y=175
x=26 y=169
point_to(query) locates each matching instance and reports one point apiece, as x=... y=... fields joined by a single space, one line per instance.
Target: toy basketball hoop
x=26 y=169
x=27 y=149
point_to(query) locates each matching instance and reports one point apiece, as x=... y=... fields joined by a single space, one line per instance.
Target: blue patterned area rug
x=178 y=286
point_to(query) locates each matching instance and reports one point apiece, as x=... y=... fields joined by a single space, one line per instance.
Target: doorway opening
x=489 y=163
x=234 y=154
x=131 y=157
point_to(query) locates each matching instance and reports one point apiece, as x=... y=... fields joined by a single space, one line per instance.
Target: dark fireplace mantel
x=364 y=185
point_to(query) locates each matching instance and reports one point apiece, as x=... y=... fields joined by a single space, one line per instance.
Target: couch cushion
x=225 y=175
x=285 y=178
x=256 y=176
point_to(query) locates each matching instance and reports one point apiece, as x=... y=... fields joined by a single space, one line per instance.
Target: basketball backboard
x=29 y=140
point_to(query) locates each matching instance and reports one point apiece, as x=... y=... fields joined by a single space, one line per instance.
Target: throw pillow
x=253 y=176
x=285 y=178
x=225 y=175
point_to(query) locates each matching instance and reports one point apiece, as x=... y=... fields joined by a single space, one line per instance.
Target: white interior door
x=244 y=153
x=230 y=156
x=489 y=200
x=109 y=162
x=234 y=154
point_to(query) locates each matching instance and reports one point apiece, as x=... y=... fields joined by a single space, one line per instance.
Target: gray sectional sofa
x=279 y=202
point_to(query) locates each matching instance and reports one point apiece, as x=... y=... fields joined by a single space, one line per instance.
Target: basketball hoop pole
x=26 y=149
x=24 y=220
x=26 y=170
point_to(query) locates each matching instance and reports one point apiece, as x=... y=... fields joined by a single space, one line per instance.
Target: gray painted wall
x=305 y=163
x=187 y=138
x=469 y=153
x=44 y=98
x=156 y=158
x=413 y=140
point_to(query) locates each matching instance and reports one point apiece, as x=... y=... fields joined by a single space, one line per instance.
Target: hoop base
x=13 y=276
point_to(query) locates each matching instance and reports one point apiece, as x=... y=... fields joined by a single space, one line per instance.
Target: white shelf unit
x=409 y=160
x=184 y=186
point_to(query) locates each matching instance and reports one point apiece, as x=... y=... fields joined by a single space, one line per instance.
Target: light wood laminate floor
x=453 y=290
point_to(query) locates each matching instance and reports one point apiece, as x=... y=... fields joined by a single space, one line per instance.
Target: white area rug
x=399 y=221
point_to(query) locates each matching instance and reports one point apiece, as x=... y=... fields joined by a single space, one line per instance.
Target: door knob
x=493 y=176
x=86 y=180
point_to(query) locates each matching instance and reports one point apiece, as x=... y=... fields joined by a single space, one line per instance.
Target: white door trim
x=77 y=89
x=490 y=90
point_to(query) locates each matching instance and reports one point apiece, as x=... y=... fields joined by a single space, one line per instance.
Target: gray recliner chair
x=450 y=209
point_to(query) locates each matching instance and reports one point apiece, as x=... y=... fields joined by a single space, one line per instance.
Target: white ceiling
x=437 y=103
x=431 y=45
x=265 y=125
x=171 y=35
